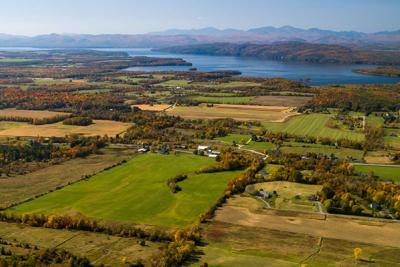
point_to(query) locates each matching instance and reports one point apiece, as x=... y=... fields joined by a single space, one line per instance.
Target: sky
x=33 y=17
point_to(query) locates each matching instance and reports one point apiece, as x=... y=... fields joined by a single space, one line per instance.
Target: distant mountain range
x=263 y=35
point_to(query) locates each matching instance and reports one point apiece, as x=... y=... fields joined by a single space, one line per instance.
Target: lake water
x=318 y=74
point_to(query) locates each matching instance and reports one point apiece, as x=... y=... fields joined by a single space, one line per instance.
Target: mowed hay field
x=238 y=112
x=349 y=228
x=233 y=245
x=6 y=125
x=34 y=114
x=22 y=187
x=99 y=127
x=312 y=125
x=389 y=173
x=160 y=107
x=98 y=248
x=137 y=192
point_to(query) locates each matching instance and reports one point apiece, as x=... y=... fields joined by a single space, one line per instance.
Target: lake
x=318 y=74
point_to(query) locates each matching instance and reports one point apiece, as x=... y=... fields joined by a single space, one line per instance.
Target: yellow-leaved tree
x=357 y=253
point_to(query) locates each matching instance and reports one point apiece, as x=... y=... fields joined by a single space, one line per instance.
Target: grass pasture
x=99 y=127
x=34 y=114
x=387 y=173
x=137 y=192
x=392 y=138
x=312 y=125
x=291 y=196
x=5 y=125
x=174 y=83
x=238 y=138
x=238 y=112
x=19 y=188
x=303 y=148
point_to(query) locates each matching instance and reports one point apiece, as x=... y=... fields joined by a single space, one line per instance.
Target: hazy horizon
x=26 y=17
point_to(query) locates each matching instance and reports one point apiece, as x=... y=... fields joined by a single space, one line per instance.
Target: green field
x=137 y=192
x=174 y=83
x=291 y=196
x=303 y=148
x=5 y=125
x=392 y=137
x=243 y=139
x=385 y=172
x=223 y=100
x=375 y=121
x=312 y=125
x=238 y=138
x=292 y=147
x=260 y=146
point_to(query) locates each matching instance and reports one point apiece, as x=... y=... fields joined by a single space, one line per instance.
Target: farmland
x=169 y=171
x=137 y=192
x=99 y=127
x=22 y=187
x=300 y=148
x=290 y=238
x=292 y=147
x=312 y=224
x=223 y=100
x=229 y=244
x=238 y=112
x=99 y=248
x=34 y=114
x=153 y=107
x=287 y=101
x=389 y=173
x=5 y=125
x=312 y=125
x=291 y=196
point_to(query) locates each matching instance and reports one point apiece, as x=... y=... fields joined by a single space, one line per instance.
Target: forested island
x=387 y=71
